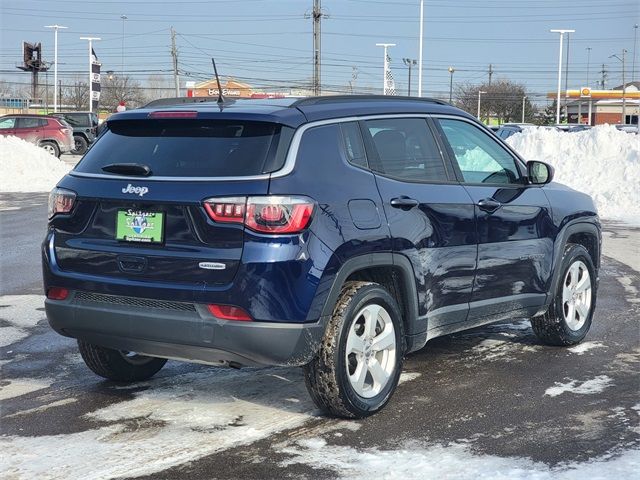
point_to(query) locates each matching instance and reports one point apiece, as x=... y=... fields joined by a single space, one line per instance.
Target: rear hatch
x=139 y=209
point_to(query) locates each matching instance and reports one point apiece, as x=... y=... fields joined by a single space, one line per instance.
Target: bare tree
x=502 y=100
x=116 y=89
x=76 y=95
x=159 y=86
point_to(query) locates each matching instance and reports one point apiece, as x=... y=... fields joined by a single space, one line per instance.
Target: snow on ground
x=453 y=461
x=18 y=313
x=25 y=167
x=603 y=162
x=588 y=387
x=583 y=347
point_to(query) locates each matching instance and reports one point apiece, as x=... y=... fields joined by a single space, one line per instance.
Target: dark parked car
x=334 y=233
x=52 y=134
x=85 y=125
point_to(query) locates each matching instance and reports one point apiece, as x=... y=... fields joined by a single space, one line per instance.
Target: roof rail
x=167 y=102
x=355 y=98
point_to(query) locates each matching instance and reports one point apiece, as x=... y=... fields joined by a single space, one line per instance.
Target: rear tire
x=52 y=148
x=569 y=316
x=358 y=366
x=117 y=365
x=79 y=145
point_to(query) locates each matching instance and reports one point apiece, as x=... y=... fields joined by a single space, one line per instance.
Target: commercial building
x=597 y=107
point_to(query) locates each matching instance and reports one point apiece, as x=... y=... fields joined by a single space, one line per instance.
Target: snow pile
x=602 y=162
x=25 y=167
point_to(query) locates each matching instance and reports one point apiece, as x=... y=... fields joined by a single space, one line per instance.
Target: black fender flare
x=362 y=262
x=576 y=226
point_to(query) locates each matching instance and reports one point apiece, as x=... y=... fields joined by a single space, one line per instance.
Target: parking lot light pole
x=524 y=99
x=480 y=92
x=451 y=70
x=561 y=32
x=420 y=48
x=409 y=62
x=624 y=86
x=55 y=64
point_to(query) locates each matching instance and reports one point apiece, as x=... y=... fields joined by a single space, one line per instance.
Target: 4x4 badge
x=137 y=190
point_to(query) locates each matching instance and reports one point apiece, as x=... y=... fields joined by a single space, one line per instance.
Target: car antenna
x=215 y=70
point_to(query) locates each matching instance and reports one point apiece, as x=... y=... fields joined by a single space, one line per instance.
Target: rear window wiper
x=137 y=169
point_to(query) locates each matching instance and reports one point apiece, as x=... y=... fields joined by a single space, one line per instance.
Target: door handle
x=489 y=205
x=404 y=203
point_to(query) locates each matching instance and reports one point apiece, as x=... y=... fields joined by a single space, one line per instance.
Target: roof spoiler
x=167 y=102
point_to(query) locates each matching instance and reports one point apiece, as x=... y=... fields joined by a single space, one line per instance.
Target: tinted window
x=353 y=145
x=29 y=122
x=6 y=123
x=187 y=148
x=481 y=158
x=406 y=149
x=76 y=120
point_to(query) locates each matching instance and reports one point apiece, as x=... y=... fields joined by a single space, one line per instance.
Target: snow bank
x=603 y=162
x=27 y=168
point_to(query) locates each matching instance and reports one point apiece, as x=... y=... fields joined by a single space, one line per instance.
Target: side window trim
x=518 y=162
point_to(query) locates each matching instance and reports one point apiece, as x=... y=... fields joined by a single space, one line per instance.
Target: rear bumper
x=183 y=332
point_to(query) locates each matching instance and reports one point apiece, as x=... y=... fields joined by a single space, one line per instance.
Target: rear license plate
x=140 y=226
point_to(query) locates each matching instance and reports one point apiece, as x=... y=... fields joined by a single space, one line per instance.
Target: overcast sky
x=269 y=42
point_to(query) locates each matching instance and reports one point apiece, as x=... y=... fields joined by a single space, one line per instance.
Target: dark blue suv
x=334 y=233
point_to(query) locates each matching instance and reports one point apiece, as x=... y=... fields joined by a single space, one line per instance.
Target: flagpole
x=90 y=39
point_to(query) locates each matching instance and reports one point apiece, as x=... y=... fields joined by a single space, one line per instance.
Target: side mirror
x=539 y=173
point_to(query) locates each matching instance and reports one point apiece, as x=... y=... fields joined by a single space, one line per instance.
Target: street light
x=420 y=48
x=588 y=63
x=55 y=64
x=409 y=62
x=123 y=17
x=451 y=70
x=480 y=92
x=524 y=99
x=624 y=85
x=561 y=32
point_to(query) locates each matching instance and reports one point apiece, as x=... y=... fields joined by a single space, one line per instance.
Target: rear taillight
x=61 y=201
x=66 y=131
x=229 y=312
x=57 y=293
x=268 y=214
x=227 y=210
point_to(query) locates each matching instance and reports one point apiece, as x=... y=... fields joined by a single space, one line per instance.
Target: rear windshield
x=190 y=148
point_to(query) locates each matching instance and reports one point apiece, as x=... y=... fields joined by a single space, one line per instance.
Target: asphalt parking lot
x=487 y=403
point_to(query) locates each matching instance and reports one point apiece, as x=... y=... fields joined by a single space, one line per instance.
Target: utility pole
x=451 y=70
x=603 y=80
x=55 y=64
x=524 y=99
x=490 y=73
x=316 y=17
x=174 y=54
x=354 y=77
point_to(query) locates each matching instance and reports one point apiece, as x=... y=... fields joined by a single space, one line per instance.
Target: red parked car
x=53 y=134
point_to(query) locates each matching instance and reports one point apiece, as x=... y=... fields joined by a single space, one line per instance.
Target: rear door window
x=190 y=148
x=406 y=150
x=28 y=122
